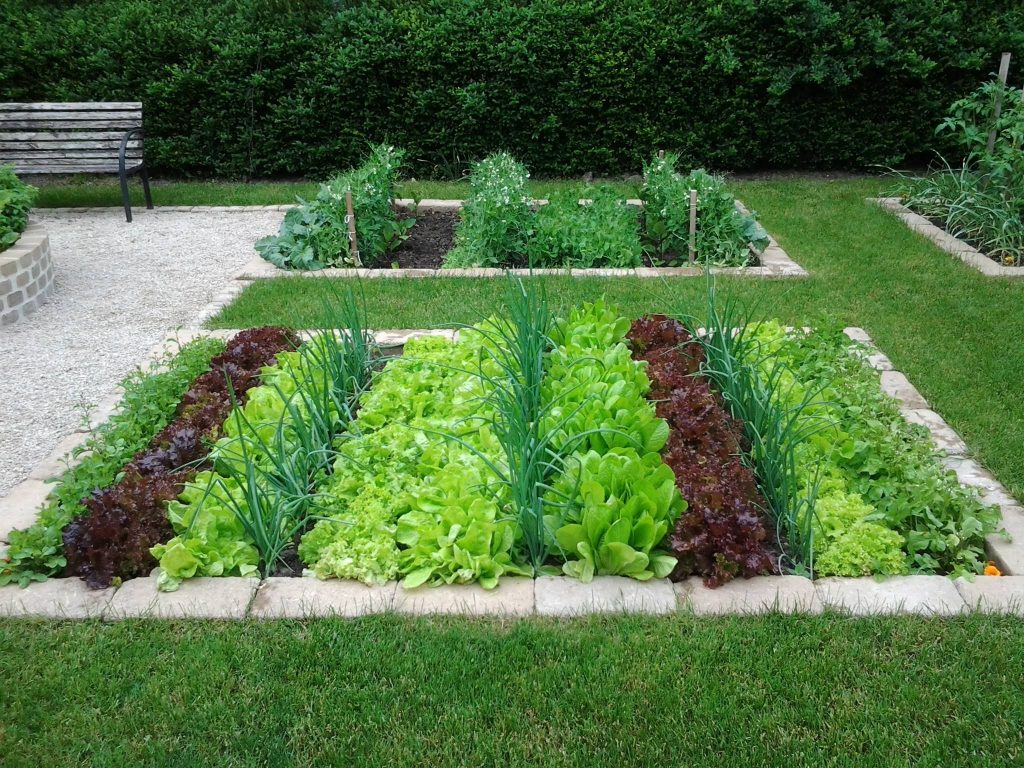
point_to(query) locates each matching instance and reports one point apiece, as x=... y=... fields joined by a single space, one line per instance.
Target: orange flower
x=991 y=570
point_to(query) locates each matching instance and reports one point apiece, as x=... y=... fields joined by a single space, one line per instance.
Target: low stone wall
x=26 y=274
x=967 y=253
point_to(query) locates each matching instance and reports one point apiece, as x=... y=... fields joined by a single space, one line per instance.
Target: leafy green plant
x=496 y=217
x=723 y=233
x=315 y=234
x=146 y=407
x=16 y=199
x=600 y=233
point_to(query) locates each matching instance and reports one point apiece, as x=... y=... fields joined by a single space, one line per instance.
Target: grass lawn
x=104 y=191
x=614 y=691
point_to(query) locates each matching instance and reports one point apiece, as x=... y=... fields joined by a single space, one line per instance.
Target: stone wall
x=26 y=274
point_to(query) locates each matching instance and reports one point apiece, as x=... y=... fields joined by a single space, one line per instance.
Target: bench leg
x=125 y=199
x=145 y=187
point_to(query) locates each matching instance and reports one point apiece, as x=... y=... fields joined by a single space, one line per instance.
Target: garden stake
x=693 y=225
x=351 y=219
x=1004 y=72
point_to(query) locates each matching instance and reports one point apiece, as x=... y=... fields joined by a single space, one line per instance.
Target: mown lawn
x=614 y=691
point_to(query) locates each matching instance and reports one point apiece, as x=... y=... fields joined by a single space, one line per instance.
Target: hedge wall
x=240 y=88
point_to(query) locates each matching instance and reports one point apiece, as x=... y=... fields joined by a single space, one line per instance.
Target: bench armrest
x=124 y=147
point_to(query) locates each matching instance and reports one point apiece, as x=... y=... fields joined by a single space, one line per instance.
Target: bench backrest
x=76 y=137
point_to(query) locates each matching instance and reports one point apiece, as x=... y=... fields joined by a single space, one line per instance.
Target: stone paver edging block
x=991 y=595
x=563 y=596
x=951 y=245
x=304 y=598
x=764 y=594
x=514 y=596
x=26 y=274
x=224 y=597
x=868 y=596
x=54 y=599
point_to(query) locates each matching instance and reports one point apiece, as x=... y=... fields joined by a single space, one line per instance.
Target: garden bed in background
x=26 y=274
x=954 y=246
x=237 y=597
x=772 y=262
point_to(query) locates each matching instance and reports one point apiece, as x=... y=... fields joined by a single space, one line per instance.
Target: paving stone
x=943 y=435
x=60 y=458
x=301 y=598
x=512 y=597
x=858 y=334
x=20 y=507
x=1009 y=554
x=896 y=385
x=993 y=594
x=563 y=596
x=54 y=599
x=970 y=472
x=225 y=597
x=763 y=594
x=867 y=596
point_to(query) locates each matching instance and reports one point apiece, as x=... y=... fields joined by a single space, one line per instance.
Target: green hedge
x=283 y=87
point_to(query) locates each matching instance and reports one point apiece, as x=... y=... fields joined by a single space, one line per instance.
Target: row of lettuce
x=502 y=227
x=586 y=445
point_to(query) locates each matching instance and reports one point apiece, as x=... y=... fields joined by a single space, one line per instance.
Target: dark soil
x=431 y=237
x=292 y=565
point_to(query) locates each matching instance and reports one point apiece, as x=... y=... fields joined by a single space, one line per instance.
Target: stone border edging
x=558 y=596
x=967 y=253
x=26 y=274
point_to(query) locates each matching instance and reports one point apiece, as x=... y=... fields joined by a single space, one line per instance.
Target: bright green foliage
x=622 y=506
x=869 y=450
x=601 y=233
x=16 y=198
x=147 y=406
x=212 y=540
x=315 y=234
x=848 y=543
x=615 y=500
x=496 y=217
x=723 y=233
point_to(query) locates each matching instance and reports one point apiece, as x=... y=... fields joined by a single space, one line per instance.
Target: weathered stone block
x=512 y=597
x=20 y=507
x=896 y=385
x=301 y=598
x=225 y=597
x=993 y=594
x=54 y=599
x=563 y=596
x=763 y=594
x=943 y=436
x=867 y=596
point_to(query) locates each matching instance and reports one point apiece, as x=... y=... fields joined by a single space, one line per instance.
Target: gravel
x=119 y=289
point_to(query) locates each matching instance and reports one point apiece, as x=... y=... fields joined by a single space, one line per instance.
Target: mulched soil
x=431 y=237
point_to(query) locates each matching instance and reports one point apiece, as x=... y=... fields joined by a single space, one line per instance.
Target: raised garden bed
x=26 y=274
x=716 y=530
x=954 y=246
x=423 y=253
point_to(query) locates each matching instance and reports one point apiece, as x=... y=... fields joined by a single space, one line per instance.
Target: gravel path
x=119 y=289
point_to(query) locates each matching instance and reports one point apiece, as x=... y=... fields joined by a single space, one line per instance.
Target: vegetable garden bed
x=954 y=246
x=771 y=262
x=423 y=473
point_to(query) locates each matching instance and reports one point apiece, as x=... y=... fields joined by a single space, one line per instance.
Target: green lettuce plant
x=16 y=199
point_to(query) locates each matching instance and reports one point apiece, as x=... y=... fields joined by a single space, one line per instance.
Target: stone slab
x=762 y=594
x=562 y=596
x=512 y=597
x=943 y=436
x=225 y=597
x=303 y=598
x=1009 y=554
x=20 y=507
x=898 y=386
x=993 y=594
x=867 y=596
x=60 y=457
x=54 y=599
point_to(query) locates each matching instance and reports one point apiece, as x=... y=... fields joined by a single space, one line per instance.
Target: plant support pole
x=350 y=217
x=693 y=225
x=1004 y=72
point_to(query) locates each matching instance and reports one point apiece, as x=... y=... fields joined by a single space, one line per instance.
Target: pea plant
x=723 y=233
x=314 y=235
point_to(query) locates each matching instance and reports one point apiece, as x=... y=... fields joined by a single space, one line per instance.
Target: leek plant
x=777 y=417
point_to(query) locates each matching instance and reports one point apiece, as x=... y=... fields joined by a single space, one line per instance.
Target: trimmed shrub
x=270 y=87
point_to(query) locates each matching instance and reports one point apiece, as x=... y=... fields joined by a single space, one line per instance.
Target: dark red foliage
x=113 y=538
x=722 y=533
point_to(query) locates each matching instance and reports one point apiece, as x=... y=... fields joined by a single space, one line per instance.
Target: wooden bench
x=76 y=137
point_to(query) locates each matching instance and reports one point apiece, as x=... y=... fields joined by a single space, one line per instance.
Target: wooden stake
x=693 y=225
x=661 y=154
x=351 y=218
x=1004 y=72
